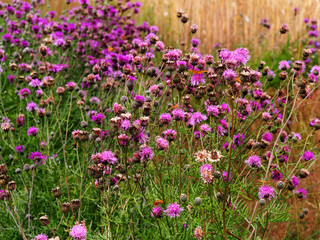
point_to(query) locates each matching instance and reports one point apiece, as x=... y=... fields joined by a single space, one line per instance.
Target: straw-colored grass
x=232 y=22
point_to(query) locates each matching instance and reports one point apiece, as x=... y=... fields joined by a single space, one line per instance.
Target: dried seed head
x=280 y=185
x=197 y=201
x=183 y=197
x=44 y=220
x=65 y=207
x=262 y=202
x=56 y=192
x=75 y=204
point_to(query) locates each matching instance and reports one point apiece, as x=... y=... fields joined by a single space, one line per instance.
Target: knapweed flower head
x=173 y=210
x=38 y=158
x=308 y=155
x=301 y=193
x=162 y=143
x=226 y=176
x=32 y=131
x=284 y=65
x=24 y=92
x=254 y=161
x=108 y=157
x=32 y=107
x=197 y=79
x=294 y=181
x=267 y=137
x=156 y=212
x=20 y=149
x=41 y=237
x=266 y=192
x=78 y=231
x=146 y=152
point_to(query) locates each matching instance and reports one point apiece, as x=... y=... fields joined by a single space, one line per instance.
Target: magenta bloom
x=173 y=210
x=146 y=153
x=266 y=192
x=41 y=237
x=276 y=175
x=78 y=232
x=267 y=136
x=32 y=131
x=229 y=75
x=294 y=180
x=197 y=79
x=301 y=193
x=24 y=92
x=225 y=176
x=109 y=157
x=162 y=143
x=37 y=157
x=156 y=212
x=308 y=155
x=165 y=118
x=284 y=65
x=197 y=117
x=178 y=114
x=20 y=149
x=32 y=107
x=254 y=161
x=4 y=195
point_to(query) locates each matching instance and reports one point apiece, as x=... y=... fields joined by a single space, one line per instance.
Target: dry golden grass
x=231 y=22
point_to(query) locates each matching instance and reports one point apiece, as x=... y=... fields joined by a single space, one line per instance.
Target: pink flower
x=173 y=210
x=78 y=232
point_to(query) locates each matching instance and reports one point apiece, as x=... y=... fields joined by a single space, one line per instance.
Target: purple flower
x=4 y=195
x=165 y=118
x=24 y=92
x=20 y=149
x=238 y=139
x=254 y=161
x=78 y=232
x=32 y=107
x=125 y=124
x=308 y=155
x=178 y=114
x=229 y=75
x=109 y=157
x=195 y=42
x=32 y=131
x=213 y=111
x=294 y=181
x=41 y=237
x=197 y=79
x=162 y=143
x=225 y=176
x=173 y=210
x=266 y=192
x=37 y=157
x=146 y=153
x=267 y=137
x=284 y=65
x=197 y=117
x=276 y=175
x=157 y=212
x=301 y=193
